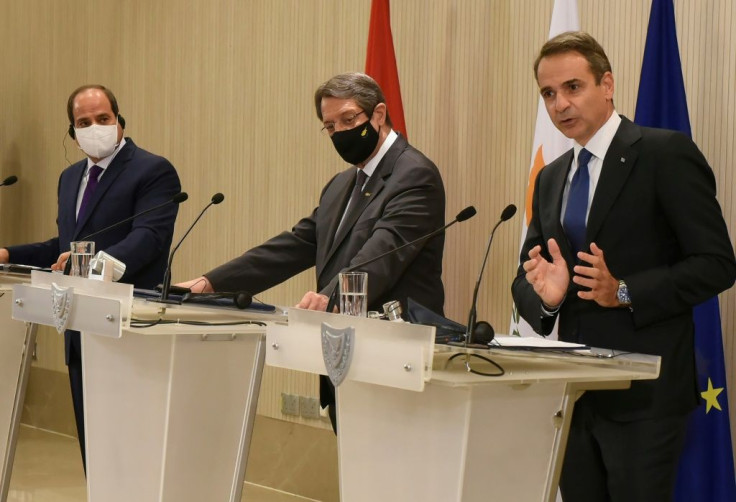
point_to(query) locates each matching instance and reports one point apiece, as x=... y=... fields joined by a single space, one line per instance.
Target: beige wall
x=223 y=88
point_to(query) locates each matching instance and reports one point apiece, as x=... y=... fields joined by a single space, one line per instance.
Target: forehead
x=556 y=69
x=91 y=101
x=336 y=107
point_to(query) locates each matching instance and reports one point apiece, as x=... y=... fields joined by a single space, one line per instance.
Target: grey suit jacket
x=403 y=200
x=656 y=218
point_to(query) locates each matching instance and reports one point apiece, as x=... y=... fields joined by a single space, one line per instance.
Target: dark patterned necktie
x=577 y=204
x=355 y=196
x=89 y=190
x=358 y=188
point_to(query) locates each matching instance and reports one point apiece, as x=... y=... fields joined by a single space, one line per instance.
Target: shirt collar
x=371 y=165
x=105 y=163
x=601 y=140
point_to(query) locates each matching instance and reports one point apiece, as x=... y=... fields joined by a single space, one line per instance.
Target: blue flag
x=706 y=470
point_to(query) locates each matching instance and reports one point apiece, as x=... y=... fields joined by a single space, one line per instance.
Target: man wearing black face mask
x=399 y=197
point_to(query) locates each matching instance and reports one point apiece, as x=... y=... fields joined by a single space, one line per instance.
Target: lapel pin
x=366 y=194
x=623 y=159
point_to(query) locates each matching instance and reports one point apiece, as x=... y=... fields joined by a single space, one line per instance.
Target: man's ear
x=379 y=113
x=607 y=83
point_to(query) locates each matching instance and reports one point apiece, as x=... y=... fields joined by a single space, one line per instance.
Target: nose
x=561 y=103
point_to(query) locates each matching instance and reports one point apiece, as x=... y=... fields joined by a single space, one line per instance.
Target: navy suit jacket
x=135 y=180
x=403 y=200
x=656 y=218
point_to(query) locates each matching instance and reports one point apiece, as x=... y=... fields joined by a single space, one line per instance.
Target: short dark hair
x=358 y=86
x=582 y=43
x=78 y=90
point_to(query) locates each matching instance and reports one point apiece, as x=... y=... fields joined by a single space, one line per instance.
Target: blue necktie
x=577 y=204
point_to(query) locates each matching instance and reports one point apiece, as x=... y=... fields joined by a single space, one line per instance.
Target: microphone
x=483 y=331
x=463 y=215
x=176 y=199
x=166 y=284
x=9 y=181
x=241 y=299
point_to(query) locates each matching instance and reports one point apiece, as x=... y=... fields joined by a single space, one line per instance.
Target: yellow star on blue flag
x=711 y=397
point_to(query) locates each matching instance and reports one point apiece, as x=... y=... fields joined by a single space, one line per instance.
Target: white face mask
x=97 y=141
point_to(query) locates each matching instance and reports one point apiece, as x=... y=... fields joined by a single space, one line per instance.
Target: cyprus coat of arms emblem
x=337 y=351
x=61 y=304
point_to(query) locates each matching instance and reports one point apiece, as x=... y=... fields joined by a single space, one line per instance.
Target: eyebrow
x=566 y=83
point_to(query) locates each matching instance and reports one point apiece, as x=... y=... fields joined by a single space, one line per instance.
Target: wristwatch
x=623 y=294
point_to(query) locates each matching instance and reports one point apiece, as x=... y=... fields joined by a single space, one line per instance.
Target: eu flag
x=706 y=470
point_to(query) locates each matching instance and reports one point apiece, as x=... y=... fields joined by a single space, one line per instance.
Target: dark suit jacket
x=135 y=180
x=656 y=218
x=403 y=200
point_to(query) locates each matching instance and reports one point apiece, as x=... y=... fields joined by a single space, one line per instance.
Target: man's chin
x=567 y=128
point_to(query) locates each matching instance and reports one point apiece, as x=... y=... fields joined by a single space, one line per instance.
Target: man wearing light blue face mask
x=117 y=180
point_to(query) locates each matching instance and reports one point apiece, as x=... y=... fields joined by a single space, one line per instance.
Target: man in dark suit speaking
x=626 y=236
x=116 y=180
x=390 y=195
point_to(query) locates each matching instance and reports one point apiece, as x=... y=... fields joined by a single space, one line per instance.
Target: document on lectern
x=533 y=342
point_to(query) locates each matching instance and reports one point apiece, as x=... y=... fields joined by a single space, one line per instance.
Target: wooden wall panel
x=223 y=88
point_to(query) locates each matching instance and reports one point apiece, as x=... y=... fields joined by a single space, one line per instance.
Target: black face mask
x=357 y=144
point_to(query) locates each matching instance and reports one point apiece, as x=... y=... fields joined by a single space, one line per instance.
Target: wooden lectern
x=412 y=429
x=169 y=408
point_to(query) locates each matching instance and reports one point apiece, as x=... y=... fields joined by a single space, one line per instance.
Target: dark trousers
x=74 y=363
x=327 y=399
x=609 y=461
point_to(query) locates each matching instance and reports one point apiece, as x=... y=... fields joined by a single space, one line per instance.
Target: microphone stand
x=166 y=284
x=463 y=215
x=176 y=199
x=507 y=213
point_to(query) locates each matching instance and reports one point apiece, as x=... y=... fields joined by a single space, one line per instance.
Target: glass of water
x=354 y=293
x=82 y=252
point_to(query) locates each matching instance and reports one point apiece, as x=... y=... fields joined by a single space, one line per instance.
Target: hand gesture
x=549 y=279
x=603 y=286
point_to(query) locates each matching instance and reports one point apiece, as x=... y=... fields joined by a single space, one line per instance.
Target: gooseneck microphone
x=463 y=215
x=8 y=181
x=485 y=333
x=176 y=199
x=482 y=331
x=166 y=284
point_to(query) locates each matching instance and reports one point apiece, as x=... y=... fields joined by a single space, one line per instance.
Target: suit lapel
x=551 y=219
x=333 y=205
x=69 y=200
x=112 y=172
x=617 y=166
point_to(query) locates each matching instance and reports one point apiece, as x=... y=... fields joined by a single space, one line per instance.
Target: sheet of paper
x=519 y=342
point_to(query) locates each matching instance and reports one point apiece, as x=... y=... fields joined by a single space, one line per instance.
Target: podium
x=17 y=340
x=170 y=405
x=412 y=428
